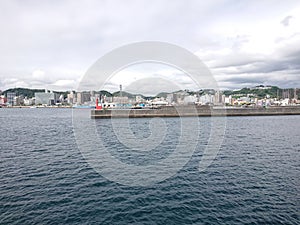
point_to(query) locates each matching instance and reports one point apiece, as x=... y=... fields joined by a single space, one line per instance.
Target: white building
x=190 y=99
x=139 y=99
x=228 y=100
x=2 y=100
x=71 y=98
x=29 y=101
x=285 y=102
x=206 y=99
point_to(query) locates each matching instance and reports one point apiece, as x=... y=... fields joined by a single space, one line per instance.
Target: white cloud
x=38 y=75
x=141 y=77
x=69 y=84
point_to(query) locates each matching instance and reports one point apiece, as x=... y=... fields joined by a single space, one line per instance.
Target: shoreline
x=36 y=107
x=193 y=111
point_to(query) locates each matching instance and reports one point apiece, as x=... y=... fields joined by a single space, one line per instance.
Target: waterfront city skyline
x=255 y=96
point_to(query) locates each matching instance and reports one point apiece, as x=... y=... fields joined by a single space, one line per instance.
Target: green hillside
x=26 y=92
x=273 y=92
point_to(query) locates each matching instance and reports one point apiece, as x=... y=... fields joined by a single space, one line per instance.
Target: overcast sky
x=51 y=44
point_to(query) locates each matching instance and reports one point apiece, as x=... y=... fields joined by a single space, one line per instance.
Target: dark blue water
x=44 y=179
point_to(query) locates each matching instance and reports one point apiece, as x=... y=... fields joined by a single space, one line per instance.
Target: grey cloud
x=243 y=80
x=278 y=79
x=268 y=66
x=286 y=21
x=281 y=68
x=236 y=59
x=285 y=59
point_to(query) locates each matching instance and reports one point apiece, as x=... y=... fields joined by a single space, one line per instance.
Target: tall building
x=170 y=98
x=28 y=101
x=2 y=100
x=285 y=93
x=190 y=99
x=71 y=98
x=83 y=97
x=11 y=98
x=46 y=98
x=295 y=94
x=19 y=100
x=121 y=94
x=92 y=93
x=219 y=98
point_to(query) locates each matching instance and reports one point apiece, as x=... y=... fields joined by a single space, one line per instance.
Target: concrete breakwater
x=185 y=111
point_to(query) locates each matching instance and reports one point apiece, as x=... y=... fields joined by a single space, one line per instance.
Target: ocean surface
x=45 y=178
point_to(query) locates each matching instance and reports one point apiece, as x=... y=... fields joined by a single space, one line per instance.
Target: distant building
x=86 y=97
x=92 y=93
x=262 y=87
x=28 y=101
x=285 y=102
x=83 y=97
x=93 y=99
x=219 y=98
x=79 y=98
x=295 y=94
x=190 y=99
x=71 y=98
x=170 y=98
x=139 y=99
x=18 y=100
x=159 y=101
x=206 y=99
x=11 y=98
x=285 y=93
x=42 y=98
x=2 y=100
x=106 y=99
x=121 y=100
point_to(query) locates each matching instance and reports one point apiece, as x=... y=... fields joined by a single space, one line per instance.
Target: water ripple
x=45 y=180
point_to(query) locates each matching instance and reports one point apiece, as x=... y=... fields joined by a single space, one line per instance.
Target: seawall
x=185 y=111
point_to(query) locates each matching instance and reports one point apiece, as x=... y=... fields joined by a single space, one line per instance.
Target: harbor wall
x=185 y=111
